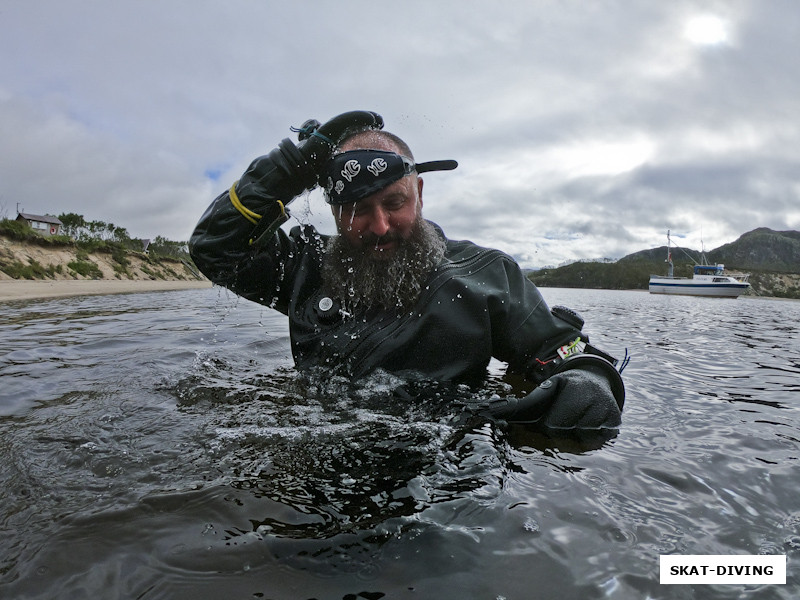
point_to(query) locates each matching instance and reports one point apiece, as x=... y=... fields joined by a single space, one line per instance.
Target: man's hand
x=582 y=400
x=275 y=179
x=574 y=399
x=318 y=142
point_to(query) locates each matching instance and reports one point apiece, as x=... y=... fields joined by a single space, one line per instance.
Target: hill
x=27 y=259
x=762 y=249
x=771 y=257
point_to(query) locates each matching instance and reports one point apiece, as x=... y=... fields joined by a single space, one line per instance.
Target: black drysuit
x=477 y=304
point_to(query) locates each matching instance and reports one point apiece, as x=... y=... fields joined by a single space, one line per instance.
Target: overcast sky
x=583 y=128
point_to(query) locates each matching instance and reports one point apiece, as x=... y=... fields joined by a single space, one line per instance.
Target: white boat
x=707 y=280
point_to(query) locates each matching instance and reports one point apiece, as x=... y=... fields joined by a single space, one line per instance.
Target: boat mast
x=669 y=257
x=703 y=259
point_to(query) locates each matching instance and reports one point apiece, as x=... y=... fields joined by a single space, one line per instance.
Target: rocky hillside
x=26 y=260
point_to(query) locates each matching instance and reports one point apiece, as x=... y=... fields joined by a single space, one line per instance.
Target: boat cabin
x=709 y=269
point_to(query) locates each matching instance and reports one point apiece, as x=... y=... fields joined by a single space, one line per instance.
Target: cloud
x=582 y=130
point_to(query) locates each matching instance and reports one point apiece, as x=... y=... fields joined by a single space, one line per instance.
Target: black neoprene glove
x=585 y=395
x=275 y=179
x=318 y=142
x=290 y=169
x=582 y=400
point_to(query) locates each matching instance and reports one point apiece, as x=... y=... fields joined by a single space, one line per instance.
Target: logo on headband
x=355 y=174
x=351 y=169
x=377 y=166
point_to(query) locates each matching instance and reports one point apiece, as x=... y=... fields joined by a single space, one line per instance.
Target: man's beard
x=361 y=280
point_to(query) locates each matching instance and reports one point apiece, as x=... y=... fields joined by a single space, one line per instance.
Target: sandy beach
x=14 y=289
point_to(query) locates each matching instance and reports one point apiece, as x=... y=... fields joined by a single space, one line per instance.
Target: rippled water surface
x=161 y=446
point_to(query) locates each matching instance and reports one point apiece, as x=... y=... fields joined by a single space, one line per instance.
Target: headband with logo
x=353 y=175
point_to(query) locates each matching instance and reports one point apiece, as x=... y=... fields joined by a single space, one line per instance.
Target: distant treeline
x=94 y=235
x=79 y=229
x=604 y=276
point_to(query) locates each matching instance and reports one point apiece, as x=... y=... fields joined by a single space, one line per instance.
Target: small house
x=42 y=224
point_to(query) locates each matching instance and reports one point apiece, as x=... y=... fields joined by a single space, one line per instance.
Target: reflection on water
x=162 y=446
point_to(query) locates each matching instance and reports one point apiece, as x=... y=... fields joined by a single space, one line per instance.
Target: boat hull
x=693 y=288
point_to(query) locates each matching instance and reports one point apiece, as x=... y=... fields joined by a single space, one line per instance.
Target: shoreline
x=12 y=290
x=28 y=289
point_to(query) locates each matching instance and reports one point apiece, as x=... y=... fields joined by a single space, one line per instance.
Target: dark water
x=161 y=446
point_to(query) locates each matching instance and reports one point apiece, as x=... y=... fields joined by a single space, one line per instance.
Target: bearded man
x=390 y=291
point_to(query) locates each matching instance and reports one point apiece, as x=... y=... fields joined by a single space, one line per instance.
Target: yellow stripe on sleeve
x=248 y=214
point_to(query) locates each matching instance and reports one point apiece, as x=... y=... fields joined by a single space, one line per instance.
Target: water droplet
x=531 y=525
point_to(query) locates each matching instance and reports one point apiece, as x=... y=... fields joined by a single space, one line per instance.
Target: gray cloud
x=582 y=129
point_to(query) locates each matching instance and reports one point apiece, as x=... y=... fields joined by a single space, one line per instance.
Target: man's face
x=379 y=223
